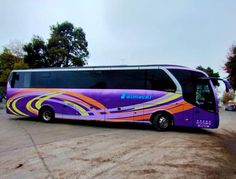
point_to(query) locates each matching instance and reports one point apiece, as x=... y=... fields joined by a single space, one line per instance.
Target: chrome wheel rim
x=47 y=116
x=163 y=123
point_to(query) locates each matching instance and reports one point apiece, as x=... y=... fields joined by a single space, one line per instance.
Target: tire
x=47 y=114
x=161 y=122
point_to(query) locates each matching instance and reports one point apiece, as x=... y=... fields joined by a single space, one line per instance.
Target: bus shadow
x=101 y=124
x=118 y=125
x=109 y=125
x=192 y=130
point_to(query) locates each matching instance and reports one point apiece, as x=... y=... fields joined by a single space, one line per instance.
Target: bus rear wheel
x=46 y=114
x=161 y=122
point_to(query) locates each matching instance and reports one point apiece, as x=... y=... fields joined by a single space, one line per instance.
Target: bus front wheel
x=46 y=114
x=161 y=121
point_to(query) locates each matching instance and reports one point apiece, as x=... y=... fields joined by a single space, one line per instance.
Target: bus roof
x=114 y=67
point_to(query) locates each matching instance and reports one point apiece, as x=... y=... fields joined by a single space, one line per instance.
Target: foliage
x=230 y=67
x=228 y=96
x=8 y=62
x=67 y=46
x=7 y=59
x=210 y=72
x=36 y=53
x=4 y=76
x=20 y=64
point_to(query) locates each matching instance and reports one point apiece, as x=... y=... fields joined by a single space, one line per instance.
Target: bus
x=161 y=95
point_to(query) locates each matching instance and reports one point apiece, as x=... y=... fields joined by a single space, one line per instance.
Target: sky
x=128 y=32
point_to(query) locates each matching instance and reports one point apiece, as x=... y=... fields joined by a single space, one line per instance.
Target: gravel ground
x=76 y=149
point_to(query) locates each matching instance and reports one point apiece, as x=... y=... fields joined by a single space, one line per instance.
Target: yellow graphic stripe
x=15 y=108
x=172 y=97
x=41 y=100
x=84 y=98
x=9 y=108
x=82 y=111
x=30 y=108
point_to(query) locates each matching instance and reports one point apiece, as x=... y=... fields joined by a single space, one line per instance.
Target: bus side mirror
x=227 y=85
x=226 y=82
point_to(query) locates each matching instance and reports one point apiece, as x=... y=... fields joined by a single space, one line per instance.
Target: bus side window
x=186 y=81
x=159 y=80
x=12 y=79
x=15 y=80
x=42 y=80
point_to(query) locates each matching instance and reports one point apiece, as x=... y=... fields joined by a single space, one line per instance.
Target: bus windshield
x=195 y=90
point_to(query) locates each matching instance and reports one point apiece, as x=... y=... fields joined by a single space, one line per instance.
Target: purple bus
x=161 y=95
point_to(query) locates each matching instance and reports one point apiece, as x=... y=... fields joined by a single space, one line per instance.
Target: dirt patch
x=81 y=150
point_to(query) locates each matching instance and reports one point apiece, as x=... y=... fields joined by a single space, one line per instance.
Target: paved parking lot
x=75 y=149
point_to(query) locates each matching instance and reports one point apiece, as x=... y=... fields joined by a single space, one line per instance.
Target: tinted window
x=196 y=91
x=159 y=80
x=139 y=79
x=125 y=79
x=64 y=79
x=42 y=80
x=185 y=79
x=20 y=80
x=107 y=79
x=204 y=94
x=90 y=79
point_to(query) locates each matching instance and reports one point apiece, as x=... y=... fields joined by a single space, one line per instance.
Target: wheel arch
x=46 y=106
x=167 y=113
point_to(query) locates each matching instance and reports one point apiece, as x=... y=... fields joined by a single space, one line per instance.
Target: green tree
x=36 y=53
x=8 y=62
x=230 y=67
x=67 y=45
x=210 y=72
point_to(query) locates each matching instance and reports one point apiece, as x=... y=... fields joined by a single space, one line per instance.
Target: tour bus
x=161 y=95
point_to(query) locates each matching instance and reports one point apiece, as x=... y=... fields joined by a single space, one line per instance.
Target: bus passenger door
x=205 y=113
x=205 y=119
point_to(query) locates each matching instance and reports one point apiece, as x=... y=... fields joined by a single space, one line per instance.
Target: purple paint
x=118 y=105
